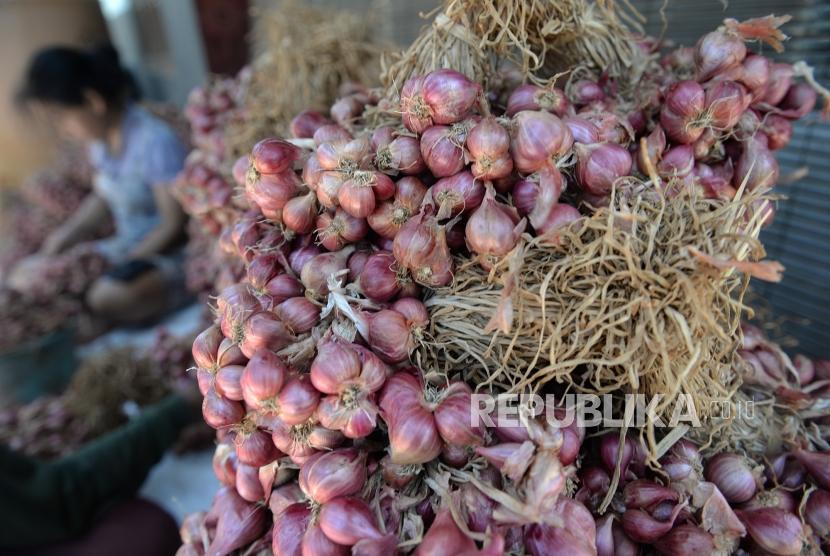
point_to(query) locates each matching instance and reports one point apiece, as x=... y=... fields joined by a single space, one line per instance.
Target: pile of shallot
x=696 y=505
x=42 y=203
x=332 y=439
x=204 y=188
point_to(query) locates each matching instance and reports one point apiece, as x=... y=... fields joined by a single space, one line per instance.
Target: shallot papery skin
x=600 y=165
x=775 y=530
x=733 y=477
x=327 y=475
x=717 y=52
x=577 y=537
x=494 y=228
x=538 y=140
x=444 y=538
x=450 y=95
x=685 y=539
x=413 y=432
x=273 y=156
x=817 y=512
x=239 y=522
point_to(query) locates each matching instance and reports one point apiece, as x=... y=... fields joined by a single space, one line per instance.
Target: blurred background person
x=90 y=98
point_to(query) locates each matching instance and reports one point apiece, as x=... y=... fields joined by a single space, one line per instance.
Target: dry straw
x=760 y=422
x=99 y=389
x=641 y=297
x=541 y=38
x=307 y=53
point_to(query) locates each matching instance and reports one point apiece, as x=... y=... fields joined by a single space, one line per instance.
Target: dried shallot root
x=620 y=299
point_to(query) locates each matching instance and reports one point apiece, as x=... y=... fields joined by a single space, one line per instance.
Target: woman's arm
x=92 y=212
x=170 y=228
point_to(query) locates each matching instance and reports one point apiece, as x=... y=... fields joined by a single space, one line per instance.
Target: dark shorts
x=130 y=270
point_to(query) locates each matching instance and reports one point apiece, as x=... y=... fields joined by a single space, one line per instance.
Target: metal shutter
x=800 y=235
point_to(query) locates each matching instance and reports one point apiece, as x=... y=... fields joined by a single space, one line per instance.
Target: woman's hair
x=60 y=75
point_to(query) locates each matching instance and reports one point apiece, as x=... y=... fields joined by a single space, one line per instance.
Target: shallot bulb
x=655 y=146
x=220 y=412
x=401 y=155
x=539 y=139
x=817 y=512
x=797 y=103
x=350 y=375
x=303 y=440
x=779 y=82
x=274 y=156
x=643 y=527
x=457 y=194
x=756 y=167
x=600 y=165
x=270 y=192
x=205 y=348
x=335 y=231
x=327 y=475
x=677 y=162
x=418 y=426
x=304 y=124
x=351 y=522
x=263 y=331
x=390 y=215
x=226 y=382
x=583 y=130
x=733 y=477
x=295 y=533
x=494 y=229
x=299 y=314
x=421 y=246
x=359 y=194
x=725 y=102
x=380 y=280
x=254 y=446
x=343 y=155
x=262 y=379
x=441 y=97
x=533 y=97
x=299 y=213
x=584 y=92
x=348 y=108
x=331 y=133
x=717 y=52
x=391 y=335
x=779 y=131
x=645 y=494
x=755 y=74
x=682 y=115
x=686 y=539
x=442 y=149
x=299 y=257
x=488 y=145
x=774 y=530
x=817 y=465
x=444 y=538
x=576 y=537
x=610 y=452
x=239 y=522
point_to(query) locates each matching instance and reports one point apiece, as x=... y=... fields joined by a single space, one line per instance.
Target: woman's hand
x=80 y=226
x=27 y=272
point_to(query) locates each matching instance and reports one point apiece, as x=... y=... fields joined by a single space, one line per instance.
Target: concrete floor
x=182 y=484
